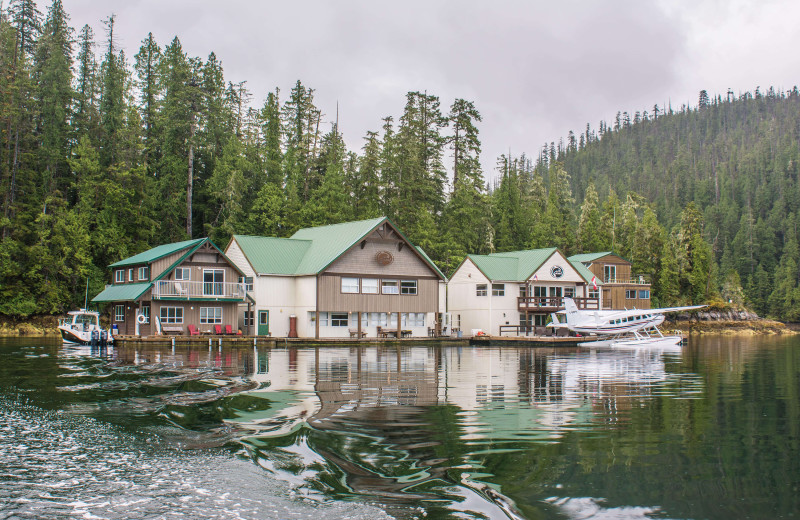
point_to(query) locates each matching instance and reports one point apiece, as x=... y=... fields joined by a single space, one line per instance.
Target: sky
x=534 y=70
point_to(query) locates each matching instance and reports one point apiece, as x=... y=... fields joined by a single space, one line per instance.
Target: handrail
x=556 y=302
x=635 y=280
x=188 y=289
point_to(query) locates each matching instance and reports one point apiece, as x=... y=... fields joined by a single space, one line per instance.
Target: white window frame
x=130 y=274
x=146 y=313
x=217 y=288
x=210 y=315
x=594 y=293
x=630 y=294
x=143 y=273
x=393 y=287
x=119 y=276
x=610 y=273
x=413 y=319
x=369 y=286
x=249 y=318
x=569 y=292
x=350 y=285
x=410 y=287
x=340 y=319
x=498 y=289
x=323 y=319
x=183 y=273
x=164 y=315
x=644 y=294
x=481 y=289
x=119 y=313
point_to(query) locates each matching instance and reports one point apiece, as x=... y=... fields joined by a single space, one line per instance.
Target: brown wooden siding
x=331 y=297
x=161 y=264
x=405 y=261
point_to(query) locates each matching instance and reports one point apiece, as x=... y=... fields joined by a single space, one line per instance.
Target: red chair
x=228 y=330
x=193 y=330
x=218 y=330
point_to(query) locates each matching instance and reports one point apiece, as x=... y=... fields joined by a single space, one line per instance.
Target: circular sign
x=384 y=257
x=556 y=271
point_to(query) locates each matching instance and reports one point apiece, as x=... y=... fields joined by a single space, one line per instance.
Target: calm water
x=710 y=430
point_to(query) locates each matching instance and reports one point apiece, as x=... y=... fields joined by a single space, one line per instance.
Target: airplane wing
x=662 y=310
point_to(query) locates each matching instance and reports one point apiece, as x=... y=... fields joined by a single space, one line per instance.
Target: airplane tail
x=571 y=311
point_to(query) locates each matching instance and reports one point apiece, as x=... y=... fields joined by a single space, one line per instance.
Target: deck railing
x=635 y=280
x=555 y=302
x=169 y=289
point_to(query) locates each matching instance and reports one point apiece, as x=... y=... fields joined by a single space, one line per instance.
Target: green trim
x=124 y=292
x=156 y=253
x=190 y=252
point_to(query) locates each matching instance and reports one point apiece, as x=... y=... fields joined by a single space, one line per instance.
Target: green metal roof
x=311 y=250
x=588 y=257
x=426 y=257
x=151 y=255
x=518 y=266
x=126 y=292
x=270 y=255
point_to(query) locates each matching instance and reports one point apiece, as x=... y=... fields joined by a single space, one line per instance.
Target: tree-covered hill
x=103 y=155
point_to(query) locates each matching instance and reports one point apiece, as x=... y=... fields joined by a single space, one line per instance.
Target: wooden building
x=621 y=288
x=173 y=288
x=355 y=279
x=517 y=291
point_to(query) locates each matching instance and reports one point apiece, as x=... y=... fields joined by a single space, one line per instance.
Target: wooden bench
x=354 y=333
x=172 y=330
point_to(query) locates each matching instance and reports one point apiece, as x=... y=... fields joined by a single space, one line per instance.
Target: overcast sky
x=534 y=69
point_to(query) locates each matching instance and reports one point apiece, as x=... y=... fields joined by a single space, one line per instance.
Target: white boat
x=83 y=327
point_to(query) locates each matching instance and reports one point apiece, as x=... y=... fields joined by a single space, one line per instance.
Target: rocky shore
x=725 y=321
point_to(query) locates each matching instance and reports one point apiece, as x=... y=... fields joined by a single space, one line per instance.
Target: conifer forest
x=104 y=154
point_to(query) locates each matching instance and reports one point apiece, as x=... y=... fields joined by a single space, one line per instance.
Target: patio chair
x=193 y=330
x=228 y=330
x=218 y=330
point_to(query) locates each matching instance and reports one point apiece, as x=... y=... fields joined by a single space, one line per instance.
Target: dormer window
x=119 y=276
x=143 y=273
x=130 y=274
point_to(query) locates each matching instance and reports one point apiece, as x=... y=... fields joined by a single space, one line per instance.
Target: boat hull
x=79 y=337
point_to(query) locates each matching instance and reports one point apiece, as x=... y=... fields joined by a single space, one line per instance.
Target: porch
x=554 y=303
x=188 y=290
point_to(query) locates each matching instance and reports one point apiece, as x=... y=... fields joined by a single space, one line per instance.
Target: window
x=480 y=289
x=119 y=312
x=130 y=274
x=146 y=313
x=556 y=292
x=210 y=314
x=323 y=318
x=408 y=287
x=526 y=320
x=248 y=282
x=594 y=293
x=630 y=294
x=339 y=319
x=610 y=273
x=171 y=315
x=369 y=286
x=377 y=319
x=213 y=280
x=569 y=292
x=389 y=287
x=523 y=291
x=498 y=289
x=119 y=276
x=644 y=294
x=540 y=320
x=143 y=273
x=248 y=318
x=413 y=319
x=183 y=273
x=349 y=285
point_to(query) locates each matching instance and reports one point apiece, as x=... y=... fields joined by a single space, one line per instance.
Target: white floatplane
x=628 y=328
x=83 y=327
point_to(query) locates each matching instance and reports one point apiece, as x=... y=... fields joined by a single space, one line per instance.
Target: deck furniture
x=218 y=330
x=193 y=330
x=354 y=333
x=171 y=330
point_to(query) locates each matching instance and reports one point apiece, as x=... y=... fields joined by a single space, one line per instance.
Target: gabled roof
x=126 y=292
x=151 y=255
x=312 y=250
x=589 y=257
x=518 y=266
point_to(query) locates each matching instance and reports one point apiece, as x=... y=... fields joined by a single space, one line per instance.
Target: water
x=710 y=430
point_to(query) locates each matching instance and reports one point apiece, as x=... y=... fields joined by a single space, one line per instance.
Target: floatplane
x=627 y=328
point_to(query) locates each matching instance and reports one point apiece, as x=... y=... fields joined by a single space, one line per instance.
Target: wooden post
x=359 y=325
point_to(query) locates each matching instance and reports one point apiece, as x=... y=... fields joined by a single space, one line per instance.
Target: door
x=263 y=323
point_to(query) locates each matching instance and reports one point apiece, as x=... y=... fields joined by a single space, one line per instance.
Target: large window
x=413 y=319
x=408 y=287
x=213 y=280
x=481 y=289
x=369 y=285
x=183 y=273
x=171 y=315
x=323 y=318
x=644 y=294
x=210 y=315
x=594 y=293
x=569 y=292
x=610 y=273
x=339 y=319
x=119 y=276
x=498 y=289
x=389 y=287
x=523 y=291
x=349 y=285
x=248 y=318
x=119 y=313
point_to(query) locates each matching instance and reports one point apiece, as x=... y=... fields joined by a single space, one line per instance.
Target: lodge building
x=621 y=289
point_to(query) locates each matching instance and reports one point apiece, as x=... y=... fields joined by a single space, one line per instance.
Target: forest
x=103 y=155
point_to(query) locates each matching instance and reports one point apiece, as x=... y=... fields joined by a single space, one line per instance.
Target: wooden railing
x=550 y=303
x=170 y=289
x=635 y=280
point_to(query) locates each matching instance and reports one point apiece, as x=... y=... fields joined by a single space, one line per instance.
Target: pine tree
x=589 y=238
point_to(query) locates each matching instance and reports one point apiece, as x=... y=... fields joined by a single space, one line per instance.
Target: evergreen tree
x=589 y=238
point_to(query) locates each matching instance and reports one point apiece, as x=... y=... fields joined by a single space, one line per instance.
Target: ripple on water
x=57 y=465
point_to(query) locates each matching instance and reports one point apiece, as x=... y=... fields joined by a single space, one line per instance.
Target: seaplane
x=626 y=328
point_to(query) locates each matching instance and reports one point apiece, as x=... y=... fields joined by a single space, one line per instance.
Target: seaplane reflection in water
x=627 y=328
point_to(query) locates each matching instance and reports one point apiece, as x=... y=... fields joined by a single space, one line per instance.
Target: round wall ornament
x=384 y=257
x=556 y=271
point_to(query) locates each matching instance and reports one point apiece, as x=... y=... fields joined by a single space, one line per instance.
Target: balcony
x=554 y=303
x=212 y=291
x=635 y=280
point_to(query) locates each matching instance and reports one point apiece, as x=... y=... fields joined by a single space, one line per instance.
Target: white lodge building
x=356 y=279
x=517 y=289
